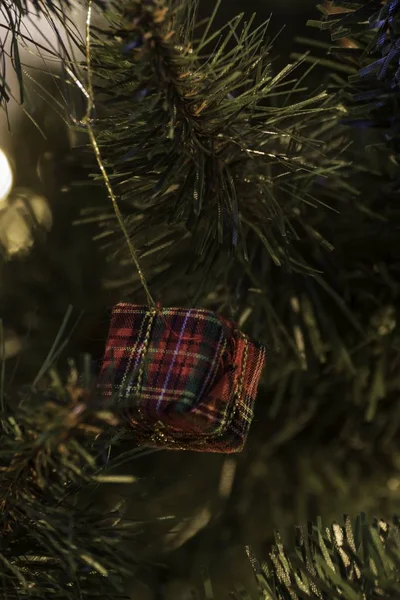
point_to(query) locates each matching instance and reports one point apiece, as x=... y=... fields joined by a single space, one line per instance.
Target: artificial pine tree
x=221 y=184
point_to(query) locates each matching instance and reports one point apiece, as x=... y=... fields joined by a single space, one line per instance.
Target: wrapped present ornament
x=186 y=378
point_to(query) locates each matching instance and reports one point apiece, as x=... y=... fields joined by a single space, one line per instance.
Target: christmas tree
x=166 y=163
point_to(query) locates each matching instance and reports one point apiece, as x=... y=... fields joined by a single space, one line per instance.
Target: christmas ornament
x=186 y=378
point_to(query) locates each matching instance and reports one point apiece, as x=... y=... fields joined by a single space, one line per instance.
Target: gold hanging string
x=88 y=122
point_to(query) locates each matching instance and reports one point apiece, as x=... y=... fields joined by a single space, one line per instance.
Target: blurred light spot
x=384 y=321
x=394 y=484
x=15 y=233
x=227 y=478
x=298 y=335
x=11 y=345
x=6 y=178
x=42 y=212
x=25 y=212
x=245 y=315
x=188 y=529
x=295 y=304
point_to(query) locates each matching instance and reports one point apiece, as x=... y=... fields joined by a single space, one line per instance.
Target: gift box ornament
x=185 y=378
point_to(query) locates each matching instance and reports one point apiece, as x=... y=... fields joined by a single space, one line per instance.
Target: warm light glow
x=24 y=212
x=6 y=177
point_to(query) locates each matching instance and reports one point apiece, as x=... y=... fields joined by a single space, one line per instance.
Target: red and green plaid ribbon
x=186 y=378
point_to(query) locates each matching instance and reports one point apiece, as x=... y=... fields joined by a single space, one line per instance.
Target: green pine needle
x=194 y=134
x=357 y=561
x=53 y=542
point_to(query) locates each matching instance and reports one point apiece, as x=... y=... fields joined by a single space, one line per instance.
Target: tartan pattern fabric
x=185 y=378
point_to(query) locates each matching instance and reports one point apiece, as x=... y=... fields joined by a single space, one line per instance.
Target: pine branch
x=16 y=17
x=198 y=140
x=23 y=5
x=12 y=13
x=357 y=561
x=369 y=36
x=53 y=542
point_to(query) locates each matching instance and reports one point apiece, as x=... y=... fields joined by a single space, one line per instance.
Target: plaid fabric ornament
x=186 y=378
